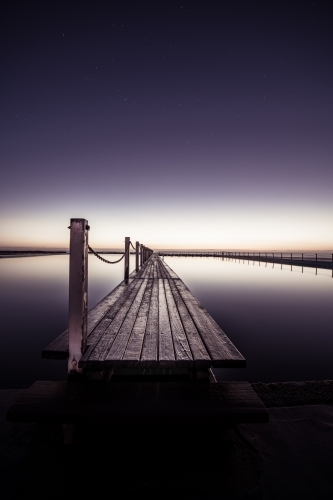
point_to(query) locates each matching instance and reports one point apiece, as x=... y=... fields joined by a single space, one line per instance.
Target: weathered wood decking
x=151 y=321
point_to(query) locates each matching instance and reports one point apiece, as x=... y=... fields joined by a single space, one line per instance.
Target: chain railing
x=105 y=260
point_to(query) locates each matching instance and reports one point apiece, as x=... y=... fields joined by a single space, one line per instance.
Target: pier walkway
x=153 y=332
x=151 y=321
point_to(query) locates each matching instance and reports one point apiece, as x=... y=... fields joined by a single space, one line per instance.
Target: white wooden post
x=137 y=249
x=78 y=293
x=127 y=255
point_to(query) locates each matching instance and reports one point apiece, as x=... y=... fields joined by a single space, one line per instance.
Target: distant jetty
x=28 y=253
x=314 y=260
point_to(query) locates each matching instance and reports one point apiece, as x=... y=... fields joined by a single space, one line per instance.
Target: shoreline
x=287 y=394
x=279 y=394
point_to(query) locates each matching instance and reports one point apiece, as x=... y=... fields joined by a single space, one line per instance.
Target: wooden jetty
x=151 y=321
x=150 y=331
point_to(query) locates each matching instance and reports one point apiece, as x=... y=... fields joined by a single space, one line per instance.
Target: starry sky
x=182 y=124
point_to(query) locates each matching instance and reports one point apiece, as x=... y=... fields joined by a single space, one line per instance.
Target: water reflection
x=34 y=305
x=279 y=320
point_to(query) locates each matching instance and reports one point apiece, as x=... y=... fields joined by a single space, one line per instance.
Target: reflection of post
x=137 y=246
x=127 y=249
x=78 y=293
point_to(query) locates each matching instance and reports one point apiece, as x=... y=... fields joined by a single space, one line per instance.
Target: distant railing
x=276 y=256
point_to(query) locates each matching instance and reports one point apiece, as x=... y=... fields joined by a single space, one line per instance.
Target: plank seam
x=110 y=347
x=136 y=317
x=167 y=305
x=136 y=288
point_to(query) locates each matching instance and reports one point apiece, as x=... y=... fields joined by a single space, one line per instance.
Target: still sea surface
x=280 y=320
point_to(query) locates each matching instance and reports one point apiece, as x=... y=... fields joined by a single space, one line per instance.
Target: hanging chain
x=132 y=246
x=104 y=260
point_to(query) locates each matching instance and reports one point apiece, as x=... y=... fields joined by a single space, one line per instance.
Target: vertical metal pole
x=127 y=255
x=137 y=251
x=78 y=293
x=141 y=251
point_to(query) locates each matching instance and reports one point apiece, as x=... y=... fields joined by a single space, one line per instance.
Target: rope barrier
x=104 y=260
x=132 y=246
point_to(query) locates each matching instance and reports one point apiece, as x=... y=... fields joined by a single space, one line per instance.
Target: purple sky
x=180 y=124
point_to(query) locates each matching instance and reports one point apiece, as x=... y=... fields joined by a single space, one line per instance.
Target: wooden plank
x=166 y=353
x=132 y=354
x=220 y=348
x=115 y=354
x=138 y=403
x=182 y=349
x=164 y=273
x=58 y=349
x=149 y=354
x=146 y=270
x=170 y=272
x=199 y=352
x=103 y=341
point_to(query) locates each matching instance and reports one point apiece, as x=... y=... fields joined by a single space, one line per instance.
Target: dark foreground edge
x=139 y=402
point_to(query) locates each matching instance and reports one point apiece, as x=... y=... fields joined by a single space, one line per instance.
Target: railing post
x=137 y=251
x=127 y=255
x=78 y=293
x=141 y=252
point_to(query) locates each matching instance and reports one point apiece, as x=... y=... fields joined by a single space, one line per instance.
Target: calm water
x=281 y=321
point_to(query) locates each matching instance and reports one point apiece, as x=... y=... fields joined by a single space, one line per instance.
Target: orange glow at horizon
x=189 y=229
